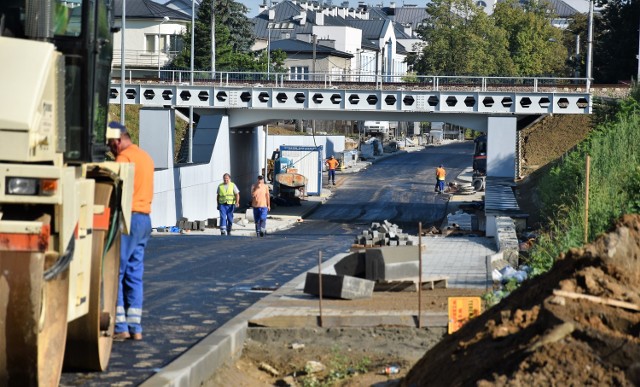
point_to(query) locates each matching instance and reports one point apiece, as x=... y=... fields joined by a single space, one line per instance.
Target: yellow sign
x=461 y=310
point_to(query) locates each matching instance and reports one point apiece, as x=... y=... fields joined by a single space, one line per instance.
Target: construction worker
x=228 y=200
x=129 y=304
x=440 y=177
x=261 y=203
x=332 y=164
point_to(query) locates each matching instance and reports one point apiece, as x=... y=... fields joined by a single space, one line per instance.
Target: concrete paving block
x=212 y=222
x=160 y=229
x=375 y=225
x=187 y=225
x=202 y=225
x=339 y=286
x=180 y=224
x=352 y=264
x=194 y=225
x=391 y=263
x=383 y=229
x=375 y=234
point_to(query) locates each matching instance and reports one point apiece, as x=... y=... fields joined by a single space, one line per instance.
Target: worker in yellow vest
x=228 y=200
x=440 y=177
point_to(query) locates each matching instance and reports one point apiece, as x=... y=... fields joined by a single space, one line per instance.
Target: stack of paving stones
x=184 y=224
x=383 y=234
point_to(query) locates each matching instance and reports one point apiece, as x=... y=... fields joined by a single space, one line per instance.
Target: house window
x=176 y=44
x=299 y=73
x=151 y=42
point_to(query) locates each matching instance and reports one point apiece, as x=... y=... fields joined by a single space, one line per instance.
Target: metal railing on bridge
x=357 y=80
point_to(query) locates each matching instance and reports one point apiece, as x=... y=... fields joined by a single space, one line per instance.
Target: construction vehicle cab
x=61 y=205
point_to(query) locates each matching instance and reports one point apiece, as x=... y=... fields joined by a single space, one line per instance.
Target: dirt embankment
x=578 y=324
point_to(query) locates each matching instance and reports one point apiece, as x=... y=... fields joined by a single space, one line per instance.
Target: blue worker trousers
x=260 y=217
x=226 y=216
x=441 y=185
x=332 y=176
x=129 y=307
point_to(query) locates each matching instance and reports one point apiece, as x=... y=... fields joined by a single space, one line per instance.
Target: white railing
x=355 y=80
x=143 y=59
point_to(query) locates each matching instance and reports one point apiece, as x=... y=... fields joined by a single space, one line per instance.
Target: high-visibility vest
x=227 y=197
x=440 y=173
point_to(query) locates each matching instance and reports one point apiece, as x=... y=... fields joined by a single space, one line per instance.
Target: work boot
x=262 y=233
x=229 y=232
x=223 y=232
x=121 y=336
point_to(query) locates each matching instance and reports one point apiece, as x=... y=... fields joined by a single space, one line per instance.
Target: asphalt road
x=194 y=284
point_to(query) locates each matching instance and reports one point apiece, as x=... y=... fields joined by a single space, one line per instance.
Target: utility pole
x=315 y=40
x=590 y=46
x=122 y=33
x=193 y=32
x=213 y=42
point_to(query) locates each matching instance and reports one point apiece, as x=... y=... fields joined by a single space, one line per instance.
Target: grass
x=614 y=186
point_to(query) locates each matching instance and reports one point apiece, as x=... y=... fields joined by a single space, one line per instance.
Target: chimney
x=407 y=29
x=272 y=14
x=392 y=4
x=319 y=19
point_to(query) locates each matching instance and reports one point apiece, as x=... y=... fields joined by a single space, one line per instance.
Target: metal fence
x=356 y=80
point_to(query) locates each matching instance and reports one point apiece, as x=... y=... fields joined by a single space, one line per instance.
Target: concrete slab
x=339 y=286
x=352 y=264
x=391 y=263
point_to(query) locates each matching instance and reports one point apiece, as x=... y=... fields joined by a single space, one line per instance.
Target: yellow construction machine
x=62 y=206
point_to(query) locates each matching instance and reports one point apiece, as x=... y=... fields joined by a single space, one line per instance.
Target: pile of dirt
x=578 y=324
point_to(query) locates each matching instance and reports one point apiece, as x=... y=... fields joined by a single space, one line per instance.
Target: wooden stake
x=597 y=300
x=419 y=274
x=320 y=284
x=586 y=201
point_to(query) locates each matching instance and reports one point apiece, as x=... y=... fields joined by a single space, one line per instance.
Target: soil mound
x=578 y=324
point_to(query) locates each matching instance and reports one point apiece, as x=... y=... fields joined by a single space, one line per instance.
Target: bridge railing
x=354 y=80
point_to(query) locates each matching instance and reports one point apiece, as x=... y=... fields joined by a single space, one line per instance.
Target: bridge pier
x=189 y=190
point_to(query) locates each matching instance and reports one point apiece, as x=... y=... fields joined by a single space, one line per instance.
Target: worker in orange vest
x=440 y=177
x=332 y=164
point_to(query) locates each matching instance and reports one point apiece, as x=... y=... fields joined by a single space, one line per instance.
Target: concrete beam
x=391 y=263
x=339 y=286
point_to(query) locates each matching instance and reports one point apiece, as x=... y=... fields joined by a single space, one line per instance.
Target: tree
x=232 y=49
x=460 y=40
x=616 y=48
x=536 y=47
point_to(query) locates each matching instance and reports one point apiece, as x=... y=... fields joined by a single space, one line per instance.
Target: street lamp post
x=122 y=64
x=164 y=20
x=269 y=26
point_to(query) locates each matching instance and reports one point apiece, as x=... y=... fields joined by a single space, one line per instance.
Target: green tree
x=616 y=48
x=232 y=49
x=460 y=40
x=536 y=47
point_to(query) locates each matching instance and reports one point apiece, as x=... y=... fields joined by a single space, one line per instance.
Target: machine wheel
x=90 y=337
x=34 y=312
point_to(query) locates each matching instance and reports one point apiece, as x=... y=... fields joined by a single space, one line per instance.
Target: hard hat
x=114 y=130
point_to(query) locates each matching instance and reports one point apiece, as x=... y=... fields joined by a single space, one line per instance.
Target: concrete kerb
x=224 y=345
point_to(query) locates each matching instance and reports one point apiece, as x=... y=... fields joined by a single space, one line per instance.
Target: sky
x=253 y=6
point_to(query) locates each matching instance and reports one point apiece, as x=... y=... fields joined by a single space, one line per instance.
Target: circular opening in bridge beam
x=582 y=103
x=263 y=97
x=131 y=93
x=203 y=96
x=372 y=99
x=433 y=101
x=354 y=99
x=507 y=102
x=167 y=95
x=544 y=102
x=300 y=98
x=318 y=98
x=336 y=99
x=525 y=102
x=245 y=96
x=113 y=93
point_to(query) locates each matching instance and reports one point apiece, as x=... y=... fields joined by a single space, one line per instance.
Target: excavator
x=62 y=204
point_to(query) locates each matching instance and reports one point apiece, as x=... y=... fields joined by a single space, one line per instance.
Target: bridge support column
x=501 y=147
x=245 y=146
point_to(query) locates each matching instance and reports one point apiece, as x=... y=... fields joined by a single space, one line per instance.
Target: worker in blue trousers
x=228 y=200
x=130 y=289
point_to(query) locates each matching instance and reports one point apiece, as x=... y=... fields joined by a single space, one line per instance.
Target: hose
x=63 y=262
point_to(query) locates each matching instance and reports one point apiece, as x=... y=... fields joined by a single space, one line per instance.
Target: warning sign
x=461 y=310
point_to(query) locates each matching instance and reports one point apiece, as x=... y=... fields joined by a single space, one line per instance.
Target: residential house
x=152 y=33
x=304 y=59
x=373 y=44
